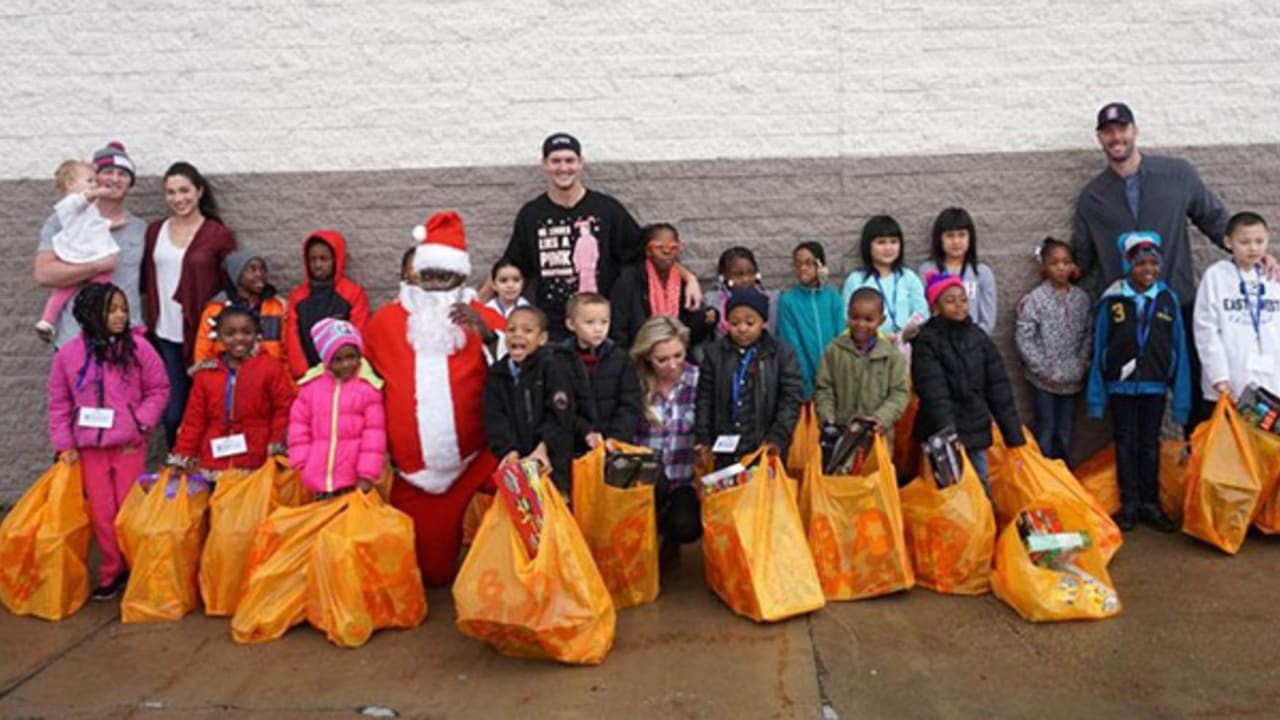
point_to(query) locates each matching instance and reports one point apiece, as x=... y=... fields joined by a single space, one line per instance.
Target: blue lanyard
x=229 y=399
x=1255 y=309
x=740 y=378
x=1144 y=321
x=890 y=305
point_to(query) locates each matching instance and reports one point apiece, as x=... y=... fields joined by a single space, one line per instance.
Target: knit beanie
x=1138 y=244
x=113 y=154
x=937 y=283
x=330 y=335
x=750 y=297
x=235 y=262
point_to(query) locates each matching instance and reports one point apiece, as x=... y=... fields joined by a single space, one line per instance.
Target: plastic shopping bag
x=1077 y=590
x=1266 y=450
x=44 y=546
x=620 y=526
x=474 y=514
x=240 y=502
x=1175 y=457
x=274 y=596
x=1223 y=484
x=1026 y=476
x=1097 y=475
x=363 y=575
x=754 y=548
x=805 y=441
x=951 y=532
x=854 y=526
x=906 y=449
x=552 y=606
x=161 y=528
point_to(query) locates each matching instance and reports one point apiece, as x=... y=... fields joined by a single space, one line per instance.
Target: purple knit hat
x=330 y=335
x=937 y=283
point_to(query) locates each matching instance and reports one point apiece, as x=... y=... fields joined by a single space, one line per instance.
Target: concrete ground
x=1197 y=638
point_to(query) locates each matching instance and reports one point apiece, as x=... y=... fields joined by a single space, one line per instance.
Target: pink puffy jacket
x=337 y=432
x=137 y=394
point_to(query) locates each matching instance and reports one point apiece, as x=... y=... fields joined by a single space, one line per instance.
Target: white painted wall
x=362 y=84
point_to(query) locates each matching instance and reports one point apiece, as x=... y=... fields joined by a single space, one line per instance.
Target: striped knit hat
x=330 y=334
x=113 y=154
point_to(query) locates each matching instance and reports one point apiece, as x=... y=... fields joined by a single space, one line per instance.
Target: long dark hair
x=208 y=204
x=880 y=226
x=954 y=218
x=90 y=310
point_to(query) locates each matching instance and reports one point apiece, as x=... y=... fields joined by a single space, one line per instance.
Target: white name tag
x=1259 y=363
x=101 y=418
x=726 y=444
x=229 y=445
x=1127 y=369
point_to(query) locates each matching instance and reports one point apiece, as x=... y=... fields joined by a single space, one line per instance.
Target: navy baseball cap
x=561 y=141
x=1114 y=113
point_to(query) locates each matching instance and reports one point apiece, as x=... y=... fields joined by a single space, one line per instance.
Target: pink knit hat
x=330 y=335
x=936 y=283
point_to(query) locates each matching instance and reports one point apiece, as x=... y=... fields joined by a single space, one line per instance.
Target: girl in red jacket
x=338 y=427
x=239 y=404
x=326 y=293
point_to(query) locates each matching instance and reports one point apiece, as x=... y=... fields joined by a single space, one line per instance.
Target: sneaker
x=1126 y=519
x=111 y=591
x=45 y=331
x=1156 y=519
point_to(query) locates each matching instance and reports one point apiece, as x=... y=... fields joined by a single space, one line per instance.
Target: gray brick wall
x=768 y=204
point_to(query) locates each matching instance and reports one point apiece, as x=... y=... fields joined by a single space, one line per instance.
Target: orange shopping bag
x=241 y=501
x=805 y=440
x=1223 y=485
x=1026 y=476
x=552 y=606
x=363 y=574
x=44 y=547
x=1080 y=590
x=474 y=514
x=620 y=526
x=1175 y=456
x=756 y=555
x=1097 y=475
x=1266 y=450
x=855 y=529
x=161 y=528
x=951 y=532
x=274 y=595
x=906 y=449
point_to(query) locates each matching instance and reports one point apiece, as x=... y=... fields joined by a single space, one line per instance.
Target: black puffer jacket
x=778 y=386
x=615 y=388
x=629 y=308
x=549 y=403
x=961 y=380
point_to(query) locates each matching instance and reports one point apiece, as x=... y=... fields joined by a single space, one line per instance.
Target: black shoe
x=668 y=555
x=110 y=592
x=1126 y=519
x=1154 y=518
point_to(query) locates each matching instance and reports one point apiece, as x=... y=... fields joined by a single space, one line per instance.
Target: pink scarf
x=663 y=299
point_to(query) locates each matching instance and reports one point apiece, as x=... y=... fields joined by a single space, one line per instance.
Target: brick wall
x=769 y=205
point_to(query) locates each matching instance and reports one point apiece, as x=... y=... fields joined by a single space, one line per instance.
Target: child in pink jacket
x=337 y=429
x=107 y=390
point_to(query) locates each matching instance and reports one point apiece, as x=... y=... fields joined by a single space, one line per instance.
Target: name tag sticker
x=101 y=418
x=1127 y=369
x=726 y=444
x=229 y=446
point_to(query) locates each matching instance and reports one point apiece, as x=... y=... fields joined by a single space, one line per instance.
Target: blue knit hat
x=751 y=298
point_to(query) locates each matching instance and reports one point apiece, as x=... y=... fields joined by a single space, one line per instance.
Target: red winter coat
x=202 y=277
x=357 y=302
x=258 y=407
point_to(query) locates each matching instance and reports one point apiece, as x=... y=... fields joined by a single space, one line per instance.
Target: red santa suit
x=434 y=373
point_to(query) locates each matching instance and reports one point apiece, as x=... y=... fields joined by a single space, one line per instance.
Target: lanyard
x=1255 y=309
x=740 y=378
x=230 y=397
x=1144 y=322
x=890 y=305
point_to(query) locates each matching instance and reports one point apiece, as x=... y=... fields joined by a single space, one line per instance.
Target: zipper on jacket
x=333 y=437
x=102 y=399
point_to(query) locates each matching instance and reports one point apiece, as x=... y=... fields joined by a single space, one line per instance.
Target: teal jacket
x=903 y=297
x=808 y=320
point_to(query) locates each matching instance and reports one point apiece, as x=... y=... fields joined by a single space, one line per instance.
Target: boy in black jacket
x=611 y=378
x=535 y=400
x=749 y=385
x=959 y=376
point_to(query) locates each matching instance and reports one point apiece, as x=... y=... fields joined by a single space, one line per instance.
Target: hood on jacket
x=335 y=240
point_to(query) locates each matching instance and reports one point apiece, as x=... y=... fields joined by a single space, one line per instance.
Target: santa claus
x=430 y=348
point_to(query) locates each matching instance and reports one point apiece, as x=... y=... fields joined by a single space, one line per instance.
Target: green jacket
x=851 y=385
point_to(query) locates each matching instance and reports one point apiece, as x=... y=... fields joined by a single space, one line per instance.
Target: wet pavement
x=1198 y=638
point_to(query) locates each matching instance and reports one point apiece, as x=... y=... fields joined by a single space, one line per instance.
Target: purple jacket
x=136 y=394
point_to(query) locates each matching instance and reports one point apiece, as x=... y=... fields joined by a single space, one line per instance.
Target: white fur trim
x=436 y=482
x=441 y=257
x=433 y=400
x=419 y=233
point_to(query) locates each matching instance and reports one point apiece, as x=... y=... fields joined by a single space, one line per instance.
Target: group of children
x=289 y=378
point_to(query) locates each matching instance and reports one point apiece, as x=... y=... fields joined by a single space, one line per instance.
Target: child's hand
x=279 y=449
x=1223 y=388
x=875 y=424
x=209 y=364
x=540 y=456
x=511 y=457
x=91 y=193
x=69 y=456
x=364 y=485
x=594 y=439
x=771 y=450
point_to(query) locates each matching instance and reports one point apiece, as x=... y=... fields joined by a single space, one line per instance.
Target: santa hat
x=443 y=245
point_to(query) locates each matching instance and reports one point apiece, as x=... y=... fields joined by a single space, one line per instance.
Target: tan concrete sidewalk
x=1197 y=638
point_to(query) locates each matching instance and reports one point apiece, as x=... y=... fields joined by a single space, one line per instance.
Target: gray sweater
x=980 y=284
x=1172 y=192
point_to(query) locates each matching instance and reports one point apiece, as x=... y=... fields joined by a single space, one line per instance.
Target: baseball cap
x=1114 y=113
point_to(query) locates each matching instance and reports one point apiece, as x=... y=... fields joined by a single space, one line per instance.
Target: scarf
x=663 y=299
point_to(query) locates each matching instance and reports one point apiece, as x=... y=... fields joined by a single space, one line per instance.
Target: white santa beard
x=434 y=337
